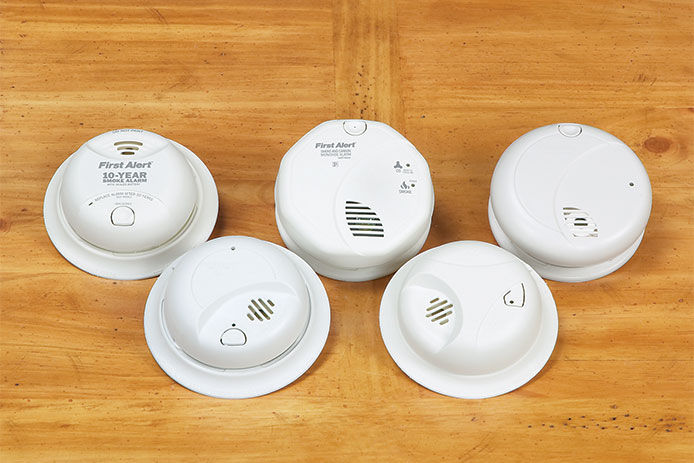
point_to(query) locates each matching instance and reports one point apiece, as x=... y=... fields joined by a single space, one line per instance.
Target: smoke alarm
x=469 y=320
x=354 y=199
x=237 y=317
x=570 y=200
x=127 y=203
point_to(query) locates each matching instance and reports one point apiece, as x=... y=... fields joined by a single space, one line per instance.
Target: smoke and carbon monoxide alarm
x=237 y=317
x=469 y=320
x=354 y=199
x=570 y=200
x=128 y=202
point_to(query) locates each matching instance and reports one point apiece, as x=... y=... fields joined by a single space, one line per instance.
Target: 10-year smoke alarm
x=469 y=320
x=354 y=199
x=237 y=317
x=128 y=202
x=570 y=200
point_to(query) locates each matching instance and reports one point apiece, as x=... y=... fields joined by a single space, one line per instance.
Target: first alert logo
x=124 y=165
x=129 y=176
x=336 y=145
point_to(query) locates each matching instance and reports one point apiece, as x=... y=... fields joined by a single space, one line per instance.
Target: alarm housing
x=354 y=199
x=571 y=200
x=468 y=319
x=128 y=202
x=236 y=317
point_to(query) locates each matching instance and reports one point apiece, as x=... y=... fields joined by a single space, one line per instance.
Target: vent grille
x=362 y=221
x=580 y=223
x=127 y=148
x=260 y=309
x=439 y=311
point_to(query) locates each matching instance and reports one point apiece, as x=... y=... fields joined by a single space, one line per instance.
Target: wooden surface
x=239 y=83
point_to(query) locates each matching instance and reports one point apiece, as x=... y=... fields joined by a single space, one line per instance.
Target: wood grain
x=238 y=83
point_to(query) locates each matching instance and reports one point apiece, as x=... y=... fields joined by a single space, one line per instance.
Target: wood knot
x=4 y=225
x=657 y=144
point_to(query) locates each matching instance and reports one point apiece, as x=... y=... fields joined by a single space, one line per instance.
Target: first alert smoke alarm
x=469 y=320
x=570 y=200
x=354 y=199
x=128 y=202
x=237 y=317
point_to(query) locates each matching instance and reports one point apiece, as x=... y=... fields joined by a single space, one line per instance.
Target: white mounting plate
x=138 y=265
x=443 y=380
x=242 y=382
x=555 y=272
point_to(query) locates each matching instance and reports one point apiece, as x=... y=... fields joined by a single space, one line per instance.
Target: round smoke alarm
x=354 y=199
x=237 y=317
x=128 y=202
x=468 y=319
x=570 y=200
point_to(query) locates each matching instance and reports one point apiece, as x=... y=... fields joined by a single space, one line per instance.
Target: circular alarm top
x=237 y=317
x=354 y=198
x=128 y=202
x=468 y=319
x=571 y=200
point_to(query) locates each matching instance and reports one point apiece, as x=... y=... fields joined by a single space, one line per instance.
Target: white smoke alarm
x=127 y=203
x=468 y=319
x=570 y=200
x=354 y=199
x=237 y=317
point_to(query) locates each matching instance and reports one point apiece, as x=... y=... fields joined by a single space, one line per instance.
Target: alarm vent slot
x=260 y=309
x=127 y=148
x=439 y=311
x=580 y=223
x=362 y=220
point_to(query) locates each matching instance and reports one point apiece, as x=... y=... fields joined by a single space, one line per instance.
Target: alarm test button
x=233 y=337
x=570 y=130
x=123 y=216
x=354 y=127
